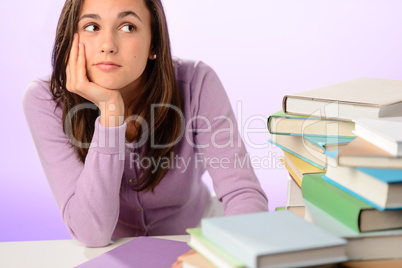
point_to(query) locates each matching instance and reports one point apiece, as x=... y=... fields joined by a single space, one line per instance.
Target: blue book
x=381 y=188
x=274 y=239
x=310 y=149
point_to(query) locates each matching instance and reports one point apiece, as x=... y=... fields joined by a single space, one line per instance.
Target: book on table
x=273 y=239
x=140 y=252
x=210 y=251
x=310 y=149
x=285 y=124
x=358 y=98
x=381 y=188
x=385 y=133
x=361 y=246
x=361 y=153
x=358 y=215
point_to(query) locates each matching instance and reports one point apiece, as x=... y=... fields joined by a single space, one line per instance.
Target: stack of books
x=352 y=212
x=306 y=135
x=358 y=194
x=265 y=239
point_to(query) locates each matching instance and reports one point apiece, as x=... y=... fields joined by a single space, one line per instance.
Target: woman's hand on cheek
x=108 y=101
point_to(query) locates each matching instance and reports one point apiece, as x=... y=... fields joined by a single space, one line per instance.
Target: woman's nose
x=108 y=43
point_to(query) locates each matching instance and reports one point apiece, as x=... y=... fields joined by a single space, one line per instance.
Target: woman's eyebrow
x=120 y=16
x=128 y=13
x=90 y=16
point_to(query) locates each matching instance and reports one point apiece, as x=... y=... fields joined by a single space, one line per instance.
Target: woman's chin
x=108 y=84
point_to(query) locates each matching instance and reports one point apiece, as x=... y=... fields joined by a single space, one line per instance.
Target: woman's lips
x=107 y=66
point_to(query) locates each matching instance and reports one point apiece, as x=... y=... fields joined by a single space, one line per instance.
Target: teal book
x=383 y=199
x=290 y=124
x=274 y=239
x=382 y=174
x=376 y=245
x=355 y=213
x=310 y=149
x=326 y=144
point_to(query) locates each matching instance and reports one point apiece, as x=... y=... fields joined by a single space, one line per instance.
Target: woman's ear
x=152 y=56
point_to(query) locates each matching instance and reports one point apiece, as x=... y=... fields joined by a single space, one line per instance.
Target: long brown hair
x=160 y=88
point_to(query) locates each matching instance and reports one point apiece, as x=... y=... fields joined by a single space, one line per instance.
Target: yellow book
x=298 y=167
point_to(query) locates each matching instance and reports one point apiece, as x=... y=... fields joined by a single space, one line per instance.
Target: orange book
x=361 y=153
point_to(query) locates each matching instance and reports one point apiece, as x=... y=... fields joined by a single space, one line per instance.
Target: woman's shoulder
x=38 y=89
x=37 y=95
x=189 y=70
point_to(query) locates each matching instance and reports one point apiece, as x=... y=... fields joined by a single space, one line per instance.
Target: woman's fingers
x=81 y=66
x=74 y=52
x=71 y=66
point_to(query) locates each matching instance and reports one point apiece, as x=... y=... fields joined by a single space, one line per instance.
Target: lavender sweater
x=95 y=198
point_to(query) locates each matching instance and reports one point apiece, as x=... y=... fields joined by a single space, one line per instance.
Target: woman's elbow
x=93 y=240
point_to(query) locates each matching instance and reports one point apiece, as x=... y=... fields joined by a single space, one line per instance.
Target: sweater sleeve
x=87 y=194
x=219 y=141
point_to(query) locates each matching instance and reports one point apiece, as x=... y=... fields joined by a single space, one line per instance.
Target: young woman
x=124 y=132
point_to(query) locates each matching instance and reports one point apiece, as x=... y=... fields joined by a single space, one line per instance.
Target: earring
x=154 y=57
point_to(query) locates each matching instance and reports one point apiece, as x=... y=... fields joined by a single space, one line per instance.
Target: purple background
x=260 y=49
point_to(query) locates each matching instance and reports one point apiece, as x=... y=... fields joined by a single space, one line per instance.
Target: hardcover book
x=385 y=133
x=361 y=153
x=361 y=246
x=346 y=208
x=256 y=241
x=290 y=124
x=210 y=251
x=297 y=167
x=381 y=188
x=310 y=149
x=358 y=98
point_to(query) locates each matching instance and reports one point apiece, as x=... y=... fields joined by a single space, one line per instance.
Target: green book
x=346 y=208
x=280 y=208
x=289 y=124
x=210 y=251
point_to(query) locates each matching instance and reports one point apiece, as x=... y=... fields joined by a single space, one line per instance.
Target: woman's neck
x=130 y=93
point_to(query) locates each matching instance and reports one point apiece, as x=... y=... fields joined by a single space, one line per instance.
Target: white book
x=385 y=133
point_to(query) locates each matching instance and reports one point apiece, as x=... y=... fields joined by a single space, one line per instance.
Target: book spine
x=269 y=124
x=332 y=200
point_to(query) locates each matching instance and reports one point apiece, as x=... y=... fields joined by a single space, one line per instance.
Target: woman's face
x=117 y=39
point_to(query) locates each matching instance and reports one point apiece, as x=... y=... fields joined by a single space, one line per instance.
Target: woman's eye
x=128 y=28
x=92 y=28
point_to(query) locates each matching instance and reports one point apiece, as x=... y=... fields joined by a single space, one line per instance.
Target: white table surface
x=56 y=253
